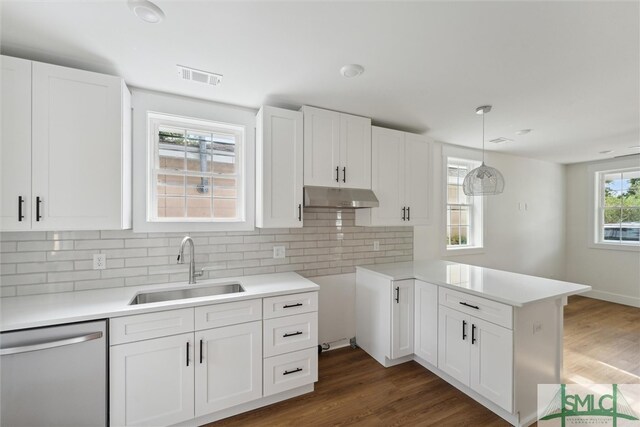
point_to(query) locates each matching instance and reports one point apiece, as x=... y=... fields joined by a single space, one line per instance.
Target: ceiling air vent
x=501 y=140
x=199 y=76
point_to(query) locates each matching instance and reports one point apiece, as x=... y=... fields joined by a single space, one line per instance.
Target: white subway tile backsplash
x=329 y=243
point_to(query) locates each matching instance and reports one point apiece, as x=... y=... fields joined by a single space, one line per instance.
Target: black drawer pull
x=292 y=334
x=404 y=217
x=473 y=334
x=293 y=305
x=292 y=372
x=464 y=330
x=299 y=212
x=337 y=173
x=201 y=342
x=187 y=353
x=20 y=203
x=409 y=213
x=344 y=174
x=38 y=202
x=397 y=298
x=469 y=305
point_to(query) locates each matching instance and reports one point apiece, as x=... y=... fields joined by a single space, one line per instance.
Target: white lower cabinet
x=478 y=354
x=228 y=367
x=425 y=344
x=175 y=366
x=152 y=382
x=401 y=318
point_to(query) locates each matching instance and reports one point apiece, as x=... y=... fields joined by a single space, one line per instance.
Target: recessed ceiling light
x=606 y=151
x=500 y=140
x=146 y=11
x=523 y=131
x=352 y=70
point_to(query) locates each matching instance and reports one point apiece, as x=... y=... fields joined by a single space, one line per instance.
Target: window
x=463 y=213
x=618 y=206
x=195 y=170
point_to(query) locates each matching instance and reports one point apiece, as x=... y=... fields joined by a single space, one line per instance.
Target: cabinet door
x=321 y=147
x=492 y=362
x=417 y=170
x=387 y=176
x=228 y=367
x=279 y=163
x=355 y=151
x=77 y=149
x=454 y=336
x=152 y=381
x=401 y=318
x=15 y=145
x=426 y=321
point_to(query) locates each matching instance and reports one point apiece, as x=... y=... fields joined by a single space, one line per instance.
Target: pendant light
x=483 y=180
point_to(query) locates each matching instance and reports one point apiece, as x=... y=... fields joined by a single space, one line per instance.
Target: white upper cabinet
x=15 y=145
x=279 y=165
x=401 y=175
x=337 y=149
x=78 y=150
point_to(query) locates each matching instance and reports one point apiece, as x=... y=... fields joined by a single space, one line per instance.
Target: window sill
x=470 y=250
x=170 y=226
x=615 y=247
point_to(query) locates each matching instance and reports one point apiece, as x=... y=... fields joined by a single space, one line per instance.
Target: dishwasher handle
x=50 y=344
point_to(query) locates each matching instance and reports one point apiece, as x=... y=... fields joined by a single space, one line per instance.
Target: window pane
x=612 y=216
x=454 y=236
x=464 y=235
x=464 y=215
x=224 y=208
x=454 y=216
x=630 y=215
x=611 y=233
x=631 y=188
x=198 y=186
x=199 y=148
x=452 y=193
x=198 y=207
x=171 y=150
x=170 y=207
x=225 y=187
x=224 y=154
x=170 y=185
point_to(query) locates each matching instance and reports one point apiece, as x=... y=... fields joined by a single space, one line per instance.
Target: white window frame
x=596 y=173
x=154 y=122
x=476 y=220
x=145 y=102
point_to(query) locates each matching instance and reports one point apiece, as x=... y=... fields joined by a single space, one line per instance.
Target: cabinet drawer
x=287 y=305
x=291 y=333
x=290 y=370
x=482 y=308
x=232 y=313
x=151 y=325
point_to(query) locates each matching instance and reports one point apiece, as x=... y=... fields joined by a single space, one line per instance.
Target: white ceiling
x=568 y=70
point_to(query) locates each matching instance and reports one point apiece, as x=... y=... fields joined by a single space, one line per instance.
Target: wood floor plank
x=601 y=345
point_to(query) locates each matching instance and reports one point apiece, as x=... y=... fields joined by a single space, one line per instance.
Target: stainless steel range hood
x=327 y=197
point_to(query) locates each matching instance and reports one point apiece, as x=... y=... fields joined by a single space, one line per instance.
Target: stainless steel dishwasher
x=54 y=376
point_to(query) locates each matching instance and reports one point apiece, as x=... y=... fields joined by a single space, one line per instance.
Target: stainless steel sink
x=187 y=292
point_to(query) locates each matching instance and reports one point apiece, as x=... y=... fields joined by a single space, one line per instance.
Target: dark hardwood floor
x=602 y=345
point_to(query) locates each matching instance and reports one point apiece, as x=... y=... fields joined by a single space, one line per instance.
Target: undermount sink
x=187 y=292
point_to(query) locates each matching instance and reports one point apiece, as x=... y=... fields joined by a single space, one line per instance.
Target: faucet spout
x=192 y=262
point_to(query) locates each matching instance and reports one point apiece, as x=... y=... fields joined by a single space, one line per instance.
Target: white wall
x=613 y=274
x=524 y=241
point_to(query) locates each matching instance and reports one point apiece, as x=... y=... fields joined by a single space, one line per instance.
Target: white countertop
x=52 y=309
x=497 y=285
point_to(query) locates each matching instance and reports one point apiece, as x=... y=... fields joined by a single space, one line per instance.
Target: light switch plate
x=99 y=261
x=278 y=251
x=376 y=245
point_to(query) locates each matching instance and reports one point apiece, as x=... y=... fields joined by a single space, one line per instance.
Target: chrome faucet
x=192 y=262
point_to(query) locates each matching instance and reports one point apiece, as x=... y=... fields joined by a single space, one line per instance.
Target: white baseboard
x=611 y=297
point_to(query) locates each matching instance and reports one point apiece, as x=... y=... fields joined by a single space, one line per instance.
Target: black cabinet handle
x=20 y=202
x=201 y=345
x=473 y=334
x=187 y=353
x=403 y=213
x=397 y=294
x=464 y=329
x=337 y=173
x=292 y=372
x=38 y=202
x=293 y=334
x=469 y=305
x=299 y=212
x=293 y=305
x=409 y=213
x=344 y=174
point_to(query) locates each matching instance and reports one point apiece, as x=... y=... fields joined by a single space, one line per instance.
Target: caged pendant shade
x=483 y=180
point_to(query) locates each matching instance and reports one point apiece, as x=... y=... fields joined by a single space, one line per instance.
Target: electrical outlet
x=99 y=261
x=376 y=246
x=278 y=251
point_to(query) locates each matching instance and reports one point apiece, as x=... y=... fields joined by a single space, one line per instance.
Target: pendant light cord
x=483 y=137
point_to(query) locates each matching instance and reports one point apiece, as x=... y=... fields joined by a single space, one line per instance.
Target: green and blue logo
x=588 y=404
